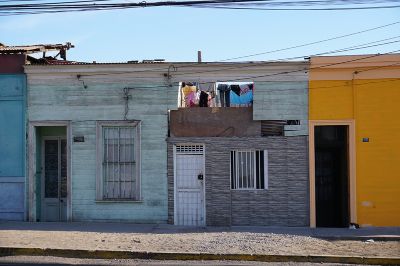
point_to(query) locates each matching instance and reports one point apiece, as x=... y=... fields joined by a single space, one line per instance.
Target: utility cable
x=356 y=47
x=76 y=6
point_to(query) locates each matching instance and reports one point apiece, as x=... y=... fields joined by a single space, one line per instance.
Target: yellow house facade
x=354 y=145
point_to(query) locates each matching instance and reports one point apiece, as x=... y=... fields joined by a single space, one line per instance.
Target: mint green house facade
x=97 y=149
x=98 y=135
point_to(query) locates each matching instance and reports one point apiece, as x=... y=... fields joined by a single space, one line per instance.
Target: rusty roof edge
x=34 y=48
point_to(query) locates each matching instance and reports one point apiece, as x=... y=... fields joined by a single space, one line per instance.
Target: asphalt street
x=57 y=261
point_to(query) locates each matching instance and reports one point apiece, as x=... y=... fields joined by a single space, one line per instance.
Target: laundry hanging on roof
x=224 y=92
x=189 y=94
x=207 y=86
x=209 y=94
x=203 y=102
x=235 y=95
x=245 y=99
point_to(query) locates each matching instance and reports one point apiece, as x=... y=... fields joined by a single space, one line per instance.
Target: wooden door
x=54 y=180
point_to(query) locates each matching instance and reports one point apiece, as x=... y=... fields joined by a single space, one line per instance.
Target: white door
x=189 y=185
x=54 y=180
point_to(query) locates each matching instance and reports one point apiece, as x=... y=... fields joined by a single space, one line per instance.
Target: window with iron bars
x=119 y=161
x=249 y=169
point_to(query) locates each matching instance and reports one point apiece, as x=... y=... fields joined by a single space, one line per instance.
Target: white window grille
x=189 y=149
x=118 y=160
x=249 y=169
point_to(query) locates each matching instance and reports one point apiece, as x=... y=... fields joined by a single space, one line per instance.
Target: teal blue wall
x=12 y=146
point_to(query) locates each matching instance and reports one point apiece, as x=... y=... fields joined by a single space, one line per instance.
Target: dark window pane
x=51 y=169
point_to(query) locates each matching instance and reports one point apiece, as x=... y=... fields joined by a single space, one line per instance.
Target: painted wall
x=64 y=97
x=283 y=100
x=85 y=94
x=371 y=100
x=12 y=143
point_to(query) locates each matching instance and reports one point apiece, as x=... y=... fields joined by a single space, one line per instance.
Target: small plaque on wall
x=79 y=139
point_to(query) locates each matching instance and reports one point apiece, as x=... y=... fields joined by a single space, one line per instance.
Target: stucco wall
x=283 y=100
x=65 y=98
x=284 y=203
x=370 y=98
x=12 y=146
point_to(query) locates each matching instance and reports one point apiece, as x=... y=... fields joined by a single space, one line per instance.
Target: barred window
x=118 y=160
x=249 y=169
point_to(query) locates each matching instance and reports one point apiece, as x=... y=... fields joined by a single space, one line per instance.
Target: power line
x=374 y=68
x=351 y=48
x=307 y=69
x=312 y=43
x=293 y=9
x=357 y=47
x=277 y=50
x=297 y=70
x=85 y=5
x=356 y=84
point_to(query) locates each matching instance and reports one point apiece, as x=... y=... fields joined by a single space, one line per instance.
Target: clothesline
x=197 y=94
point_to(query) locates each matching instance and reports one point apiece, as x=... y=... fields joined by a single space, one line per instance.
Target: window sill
x=119 y=201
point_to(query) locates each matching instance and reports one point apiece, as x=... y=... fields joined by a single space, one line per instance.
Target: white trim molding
x=32 y=126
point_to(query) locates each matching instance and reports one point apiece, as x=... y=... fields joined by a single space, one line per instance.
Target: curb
x=105 y=254
x=360 y=238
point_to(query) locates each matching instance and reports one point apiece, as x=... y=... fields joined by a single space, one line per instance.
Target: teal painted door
x=54 y=205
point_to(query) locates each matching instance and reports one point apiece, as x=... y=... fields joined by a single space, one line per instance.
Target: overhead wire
x=311 y=43
x=306 y=69
x=351 y=48
x=27 y=7
x=294 y=58
x=273 y=51
x=292 y=9
x=290 y=71
x=356 y=84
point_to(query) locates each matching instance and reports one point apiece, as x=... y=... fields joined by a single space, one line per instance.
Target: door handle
x=61 y=200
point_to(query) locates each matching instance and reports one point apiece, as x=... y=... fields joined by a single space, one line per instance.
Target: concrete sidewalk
x=375 y=233
x=166 y=242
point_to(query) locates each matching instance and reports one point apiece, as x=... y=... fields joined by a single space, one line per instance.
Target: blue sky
x=177 y=33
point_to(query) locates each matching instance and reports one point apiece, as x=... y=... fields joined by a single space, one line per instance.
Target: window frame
x=265 y=169
x=136 y=124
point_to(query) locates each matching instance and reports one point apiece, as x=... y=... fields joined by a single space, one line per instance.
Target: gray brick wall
x=284 y=203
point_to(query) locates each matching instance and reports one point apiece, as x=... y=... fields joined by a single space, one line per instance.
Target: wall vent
x=190 y=149
x=272 y=127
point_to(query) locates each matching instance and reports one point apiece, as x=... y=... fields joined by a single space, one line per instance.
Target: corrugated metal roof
x=177 y=63
x=18 y=49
